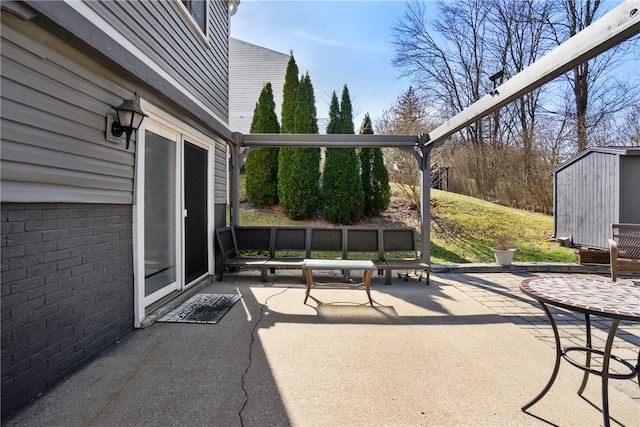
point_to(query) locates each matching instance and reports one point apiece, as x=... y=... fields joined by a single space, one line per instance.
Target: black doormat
x=202 y=308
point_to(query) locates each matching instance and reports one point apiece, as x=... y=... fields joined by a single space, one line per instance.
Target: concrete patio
x=469 y=349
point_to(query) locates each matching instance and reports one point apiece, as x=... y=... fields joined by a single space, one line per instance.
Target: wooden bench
x=271 y=248
x=624 y=248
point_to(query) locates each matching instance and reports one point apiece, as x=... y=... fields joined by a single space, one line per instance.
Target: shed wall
x=586 y=199
x=630 y=189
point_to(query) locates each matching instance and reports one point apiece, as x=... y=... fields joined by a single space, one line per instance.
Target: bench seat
x=279 y=247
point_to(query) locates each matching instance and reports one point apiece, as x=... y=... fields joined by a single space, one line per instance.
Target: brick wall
x=67 y=291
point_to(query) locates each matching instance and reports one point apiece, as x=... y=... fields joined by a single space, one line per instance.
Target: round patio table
x=590 y=297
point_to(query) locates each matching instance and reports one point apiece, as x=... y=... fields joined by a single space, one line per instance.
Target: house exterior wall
x=67 y=291
x=161 y=30
x=67 y=191
x=54 y=104
x=250 y=68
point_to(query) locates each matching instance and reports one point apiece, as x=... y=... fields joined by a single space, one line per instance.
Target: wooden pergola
x=618 y=25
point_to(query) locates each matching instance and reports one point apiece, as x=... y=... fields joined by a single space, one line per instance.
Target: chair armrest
x=613 y=251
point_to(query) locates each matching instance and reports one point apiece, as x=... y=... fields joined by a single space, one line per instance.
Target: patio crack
x=253 y=339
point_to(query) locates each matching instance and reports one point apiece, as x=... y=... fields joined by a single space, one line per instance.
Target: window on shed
x=198 y=11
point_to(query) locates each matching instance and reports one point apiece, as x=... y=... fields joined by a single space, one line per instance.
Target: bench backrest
x=253 y=239
x=402 y=241
x=286 y=239
x=364 y=243
x=627 y=236
x=324 y=239
x=226 y=243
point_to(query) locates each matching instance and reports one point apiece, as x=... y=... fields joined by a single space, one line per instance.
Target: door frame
x=162 y=123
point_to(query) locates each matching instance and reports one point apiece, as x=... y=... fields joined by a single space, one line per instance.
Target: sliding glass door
x=160 y=212
x=195 y=188
x=173 y=215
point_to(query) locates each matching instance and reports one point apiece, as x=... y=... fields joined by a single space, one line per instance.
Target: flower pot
x=504 y=256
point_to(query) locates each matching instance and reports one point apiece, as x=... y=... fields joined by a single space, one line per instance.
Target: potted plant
x=502 y=251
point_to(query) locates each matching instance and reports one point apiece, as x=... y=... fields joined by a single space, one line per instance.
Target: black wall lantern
x=129 y=118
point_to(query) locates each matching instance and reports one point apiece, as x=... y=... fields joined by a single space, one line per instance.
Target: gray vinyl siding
x=200 y=67
x=220 y=171
x=250 y=68
x=594 y=190
x=53 y=120
x=55 y=99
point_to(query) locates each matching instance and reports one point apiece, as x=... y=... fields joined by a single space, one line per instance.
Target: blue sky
x=338 y=43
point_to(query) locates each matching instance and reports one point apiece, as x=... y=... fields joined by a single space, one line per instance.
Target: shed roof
x=616 y=150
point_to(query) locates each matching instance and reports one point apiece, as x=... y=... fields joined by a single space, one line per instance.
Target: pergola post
x=425 y=191
x=234 y=186
x=422 y=154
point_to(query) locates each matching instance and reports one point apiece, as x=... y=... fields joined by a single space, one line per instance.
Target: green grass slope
x=464 y=230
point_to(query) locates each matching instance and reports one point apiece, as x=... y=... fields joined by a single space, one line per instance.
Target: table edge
x=574 y=308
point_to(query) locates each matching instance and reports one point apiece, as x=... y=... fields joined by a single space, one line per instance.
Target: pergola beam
x=613 y=28
x=315 y=140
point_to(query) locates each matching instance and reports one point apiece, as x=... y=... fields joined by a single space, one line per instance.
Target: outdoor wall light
x=494 y=79
x=233 y=6
x=129 y=118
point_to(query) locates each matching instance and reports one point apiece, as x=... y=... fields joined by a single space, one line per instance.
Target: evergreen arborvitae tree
x=299 y=168
x=333 y=127
x=289 y=94
x=262 y=165
x=341 y=186
x=305 y=115
x=346 y=113
x=375 y=178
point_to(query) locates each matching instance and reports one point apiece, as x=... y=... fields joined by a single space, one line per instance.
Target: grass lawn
x=463 y=229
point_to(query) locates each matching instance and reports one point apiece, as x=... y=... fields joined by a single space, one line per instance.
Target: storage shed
x=596 y=188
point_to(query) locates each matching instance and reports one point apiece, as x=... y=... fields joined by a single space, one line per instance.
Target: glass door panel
x=159 y=216
x=195 y=203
